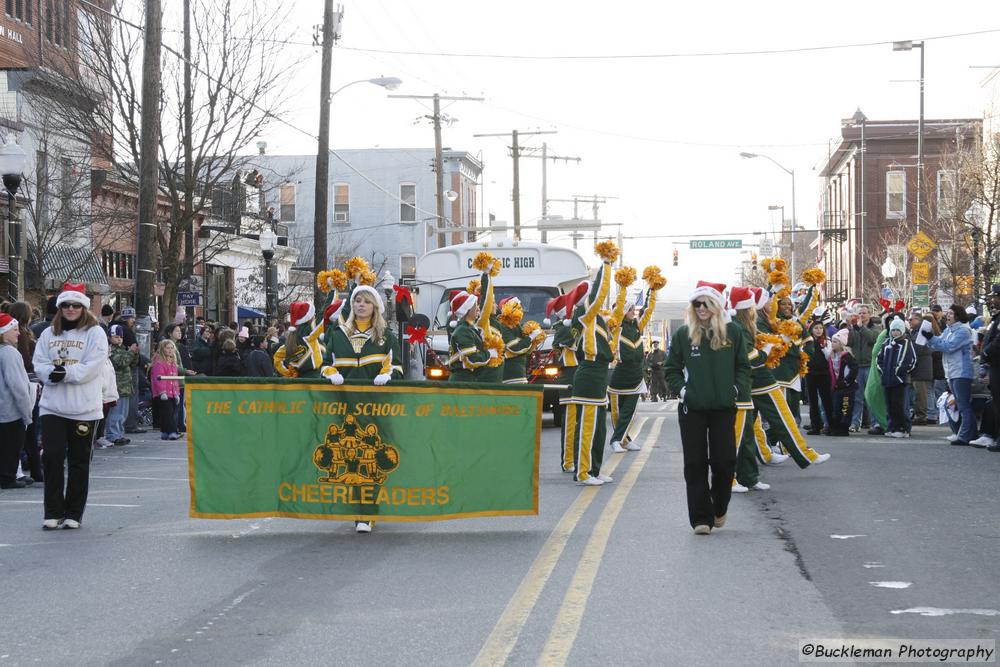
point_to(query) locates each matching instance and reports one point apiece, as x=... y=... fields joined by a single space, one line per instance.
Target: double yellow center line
x=507 y=630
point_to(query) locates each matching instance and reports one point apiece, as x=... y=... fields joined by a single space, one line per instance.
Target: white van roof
x=524 y=263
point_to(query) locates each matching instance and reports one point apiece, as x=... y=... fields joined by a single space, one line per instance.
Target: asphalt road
x=610 y=575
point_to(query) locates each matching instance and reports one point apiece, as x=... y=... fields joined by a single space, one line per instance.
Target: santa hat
x=73 y=293
x=461 y=304
x=713 y=291
x=761 y=297
x=852 y=306
x=509 y=299
x=573 y=297
x=300 y=313
x=333 y=310
x=7 y=323
x=741 y=298
x=376 y=297
x=555 y=308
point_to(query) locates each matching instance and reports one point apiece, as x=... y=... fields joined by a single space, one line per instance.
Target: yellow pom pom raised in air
x=356 y=266
x=606 y=250
x=530 y=327
x=625 y=276
x=482 y=261
x=814 y=276
x=368 y=278
x=495 y=268
x=473 y=287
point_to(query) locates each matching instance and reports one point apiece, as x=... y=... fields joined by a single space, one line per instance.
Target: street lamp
x=387 y=82
x=12 y=161
x=859 y=118
x=268 y=239
x=790 y=172
x=909 y=45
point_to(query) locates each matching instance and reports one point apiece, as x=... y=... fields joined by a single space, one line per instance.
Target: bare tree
x=241 y=71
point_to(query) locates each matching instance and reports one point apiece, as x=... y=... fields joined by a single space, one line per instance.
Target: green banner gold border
x=298 y=386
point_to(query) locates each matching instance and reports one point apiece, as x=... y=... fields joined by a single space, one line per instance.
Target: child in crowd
x=818 y=382
x=844 y=371
x=124 y=361
x=166 y=393
x=895 y=361
x=109 y=397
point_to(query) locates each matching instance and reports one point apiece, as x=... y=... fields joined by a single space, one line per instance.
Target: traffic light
x=675 y=256
x=753 y=261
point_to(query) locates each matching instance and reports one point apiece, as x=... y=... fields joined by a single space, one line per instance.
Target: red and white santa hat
x=461 y=304
x=573 y=297
x=741 y=298
x=7 y=323
x=509 y=299
x=761 y=297
x=555 y=308
x=300 y=313
x=332 y=312
x=373 y=293
x=73 y=293
x=715 y=292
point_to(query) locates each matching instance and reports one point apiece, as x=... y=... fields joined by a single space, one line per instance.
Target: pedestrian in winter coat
x=70 y=357
x=124 y=361
x=895 y=361
x=258 y=362
x=844 y=371
x=818 y=381
x=229 y=363
x=21 y=312
x=166 y=393
x=203 y=352
x=955 y=344
x=861 y=339
x=708 y=367
x=17 y=405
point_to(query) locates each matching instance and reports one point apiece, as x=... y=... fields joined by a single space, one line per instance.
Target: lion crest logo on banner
x=354 y=454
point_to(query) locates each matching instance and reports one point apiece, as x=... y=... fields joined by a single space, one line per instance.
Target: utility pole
x=148 y=162
x=323 y=149
x=544 y=158
x=188 y=171
x=435 y=119
x=515 y=153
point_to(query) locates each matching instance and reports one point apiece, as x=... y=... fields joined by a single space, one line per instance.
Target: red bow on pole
x=416 y=335
x=402 y=293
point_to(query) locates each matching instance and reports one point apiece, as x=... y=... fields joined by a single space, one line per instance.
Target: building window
x=8 y=6
x=341 y=202
x=895 y=194
x=19 y=9
x=57 y=21
x=407 y=205
x=286 y=202
x=118 y=264
x=946 y=189
x=408 y=266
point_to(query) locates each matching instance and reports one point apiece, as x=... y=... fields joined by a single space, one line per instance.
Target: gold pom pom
x=613 y=323
x=495 y=268
x=482 y=261
x=494 y=341
x=657 y=282
x=625 y=276
x=777 y=277
x=650 y=272
x=530 y=327
x=789 y=328
x=473 y=287
x=606 y=250
x=356 y=266
x=511 y=314
x=803 y=363
x=814 y=276
x=368 y=278
x=324 y=281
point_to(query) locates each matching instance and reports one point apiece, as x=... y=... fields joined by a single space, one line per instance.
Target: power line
x=653 y=56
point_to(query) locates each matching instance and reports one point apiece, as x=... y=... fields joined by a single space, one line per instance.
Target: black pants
x=166 y=414
x=708 y=438
x=73 y=441
x=895 y=403
x=994 y=407
x=11 y=439
x=33 y=454
x=840 y=412
x=819 y=390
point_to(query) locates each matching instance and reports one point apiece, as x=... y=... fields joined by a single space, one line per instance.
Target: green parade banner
x=406 y=451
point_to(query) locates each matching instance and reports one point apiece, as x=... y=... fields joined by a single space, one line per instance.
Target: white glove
x=382 y=378
x=536 y=333
x=493 y=354
x=683 y=391
x=766 y=350
x=163 y=396
x=336 y=378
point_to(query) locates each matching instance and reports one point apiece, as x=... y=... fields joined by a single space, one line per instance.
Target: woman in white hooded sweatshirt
x=69 y=360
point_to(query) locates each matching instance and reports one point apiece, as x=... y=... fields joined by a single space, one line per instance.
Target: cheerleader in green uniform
x=519 y=342
x=302 y=354
x=489 y=326
x=627 y=381
x=467 y=351
x=564 y=341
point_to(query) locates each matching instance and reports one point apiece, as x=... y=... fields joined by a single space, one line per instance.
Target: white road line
x=151 y=479
x=39 y=502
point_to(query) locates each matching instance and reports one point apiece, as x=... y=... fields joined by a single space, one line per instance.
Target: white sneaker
x=896 y=434
x=739 y=488
x=616 y=447
x=633 y=446
x=983 y=441
x=761 y=486
x=890 y=434
x=362 y=527
x=607 y=479
x=591 y=481
x=822 y=458
x=104 y=443
x=71 y=523
x=952 y=438
x=50 y=524
x=777 y=459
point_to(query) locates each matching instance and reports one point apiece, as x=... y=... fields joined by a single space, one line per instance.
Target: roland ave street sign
x=716 y=244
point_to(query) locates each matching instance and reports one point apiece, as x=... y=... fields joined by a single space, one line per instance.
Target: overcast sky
x=661 y=135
